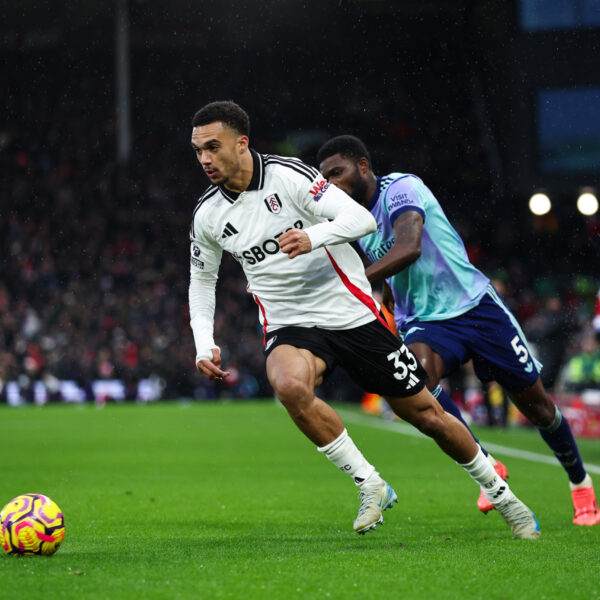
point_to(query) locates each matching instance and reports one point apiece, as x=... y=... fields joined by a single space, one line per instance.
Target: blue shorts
x=489 y=335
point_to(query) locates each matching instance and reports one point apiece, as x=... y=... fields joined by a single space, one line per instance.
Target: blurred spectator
x=582 y=371
x=596 y=320
x=547 y=329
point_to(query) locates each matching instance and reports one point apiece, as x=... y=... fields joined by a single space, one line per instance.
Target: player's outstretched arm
x=408 y=232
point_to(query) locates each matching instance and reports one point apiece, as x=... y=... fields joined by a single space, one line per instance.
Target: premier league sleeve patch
x=195 y=257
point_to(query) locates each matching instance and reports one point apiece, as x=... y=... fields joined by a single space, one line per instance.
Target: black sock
x=561 y=441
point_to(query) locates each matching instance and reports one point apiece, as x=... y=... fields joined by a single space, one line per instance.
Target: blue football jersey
x=441 y=283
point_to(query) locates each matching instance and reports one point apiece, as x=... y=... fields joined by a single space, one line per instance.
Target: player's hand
x=295 y=242
x=211 y=368
x=388 y=297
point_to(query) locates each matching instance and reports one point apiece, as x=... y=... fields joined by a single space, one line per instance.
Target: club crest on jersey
x=273 y=203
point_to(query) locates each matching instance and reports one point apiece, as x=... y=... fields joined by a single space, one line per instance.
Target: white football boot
x=375 y=497
x=520 y=519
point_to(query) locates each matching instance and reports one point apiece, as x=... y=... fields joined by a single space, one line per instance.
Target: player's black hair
x=228 y=112
x=346 y=145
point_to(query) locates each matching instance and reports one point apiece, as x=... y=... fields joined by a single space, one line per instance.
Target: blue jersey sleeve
x=405 y=194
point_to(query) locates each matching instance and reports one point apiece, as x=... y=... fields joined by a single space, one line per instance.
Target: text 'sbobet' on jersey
x=270 y=246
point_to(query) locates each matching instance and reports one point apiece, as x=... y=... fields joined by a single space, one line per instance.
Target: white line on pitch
x=405 y=429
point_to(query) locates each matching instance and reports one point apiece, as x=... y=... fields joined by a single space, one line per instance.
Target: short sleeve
x=406 y=193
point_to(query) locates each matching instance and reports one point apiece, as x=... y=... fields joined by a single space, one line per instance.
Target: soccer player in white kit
x=289 y=229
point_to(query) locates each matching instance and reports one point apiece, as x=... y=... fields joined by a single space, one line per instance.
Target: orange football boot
x=483 y=504
x=585 y=505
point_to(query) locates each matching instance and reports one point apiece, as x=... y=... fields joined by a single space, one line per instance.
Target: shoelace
x=366 y=496
x=518 y=514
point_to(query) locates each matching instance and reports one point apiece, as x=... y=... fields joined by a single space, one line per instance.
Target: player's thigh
x=377 y=360
x=416 y=409
x=430 y=360
x=440 y=346
x=499 y=348
x=290 y=369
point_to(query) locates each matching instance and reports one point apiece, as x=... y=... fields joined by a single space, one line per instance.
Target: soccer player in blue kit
x=446 y=310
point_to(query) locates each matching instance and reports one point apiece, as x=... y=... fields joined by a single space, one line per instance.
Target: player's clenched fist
x=295 y=242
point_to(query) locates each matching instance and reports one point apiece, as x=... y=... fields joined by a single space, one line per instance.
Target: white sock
x=343 y=453
x=481 y=470
x=587 y=482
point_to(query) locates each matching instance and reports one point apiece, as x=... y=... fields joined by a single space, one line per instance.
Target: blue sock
x=450 y=407
x=559 y=437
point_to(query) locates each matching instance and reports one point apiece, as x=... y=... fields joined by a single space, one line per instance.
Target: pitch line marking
x=405 y=429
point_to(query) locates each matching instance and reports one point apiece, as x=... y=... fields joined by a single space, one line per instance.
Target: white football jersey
x=325 y=288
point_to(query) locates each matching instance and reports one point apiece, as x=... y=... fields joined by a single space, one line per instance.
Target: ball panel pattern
x=31 y=524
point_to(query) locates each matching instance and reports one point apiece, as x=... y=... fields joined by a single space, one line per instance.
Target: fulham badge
x=273 y=203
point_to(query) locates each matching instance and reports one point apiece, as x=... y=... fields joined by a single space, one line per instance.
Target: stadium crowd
x=94 y=255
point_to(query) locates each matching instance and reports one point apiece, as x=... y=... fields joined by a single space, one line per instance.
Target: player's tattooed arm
x=408 y=231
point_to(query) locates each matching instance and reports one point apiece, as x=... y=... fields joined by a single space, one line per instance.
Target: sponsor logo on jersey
x=319 y=189
x=398 y=200
x=229 y=230
x=256 y=254
x=273 y=203
x=378 y=253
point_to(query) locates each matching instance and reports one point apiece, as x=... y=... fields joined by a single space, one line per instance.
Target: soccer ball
x=31 y=524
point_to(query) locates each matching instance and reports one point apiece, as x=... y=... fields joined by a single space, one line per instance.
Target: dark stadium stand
x=94 y=256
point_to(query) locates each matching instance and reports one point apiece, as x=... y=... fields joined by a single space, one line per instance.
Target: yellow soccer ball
x=31 y=524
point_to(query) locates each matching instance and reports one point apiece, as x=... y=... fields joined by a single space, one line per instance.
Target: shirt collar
x=375 y=196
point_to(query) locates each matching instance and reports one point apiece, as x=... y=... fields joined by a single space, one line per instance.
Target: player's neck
x=371 y=188
x=240 y=182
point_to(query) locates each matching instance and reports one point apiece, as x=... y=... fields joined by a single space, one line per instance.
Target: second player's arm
x=408 y=232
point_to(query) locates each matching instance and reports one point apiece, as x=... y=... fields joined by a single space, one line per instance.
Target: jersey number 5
x=519 y=349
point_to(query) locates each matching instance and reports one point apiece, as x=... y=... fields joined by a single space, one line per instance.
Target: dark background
x=94 y=248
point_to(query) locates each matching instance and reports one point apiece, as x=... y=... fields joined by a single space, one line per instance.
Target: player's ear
x=243 y=143
x=363 y=166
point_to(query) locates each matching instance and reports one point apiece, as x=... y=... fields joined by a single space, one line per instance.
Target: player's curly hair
x=348 y=146
x=232 y=115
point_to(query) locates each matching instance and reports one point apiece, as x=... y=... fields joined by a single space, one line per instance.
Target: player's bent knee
x=293 y=392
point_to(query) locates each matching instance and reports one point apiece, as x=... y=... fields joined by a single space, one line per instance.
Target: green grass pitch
x=231 y=501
